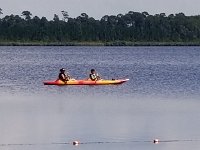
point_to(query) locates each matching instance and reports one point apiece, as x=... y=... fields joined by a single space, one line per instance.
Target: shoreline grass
x=115 y=43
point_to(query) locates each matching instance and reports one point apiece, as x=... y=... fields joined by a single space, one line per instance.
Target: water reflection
x=41 y=120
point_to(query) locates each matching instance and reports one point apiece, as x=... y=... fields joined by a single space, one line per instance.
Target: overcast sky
x=98 y=8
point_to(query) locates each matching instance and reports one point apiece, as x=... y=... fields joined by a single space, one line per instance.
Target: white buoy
x=156 y=141
x=76 y=143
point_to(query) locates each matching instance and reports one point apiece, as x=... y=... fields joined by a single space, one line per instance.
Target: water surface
x=161 y=100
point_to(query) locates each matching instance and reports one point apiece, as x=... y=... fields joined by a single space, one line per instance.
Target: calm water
x=161 y=100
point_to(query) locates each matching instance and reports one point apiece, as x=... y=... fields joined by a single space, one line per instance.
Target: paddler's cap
x=92 y=70
x=61 y=70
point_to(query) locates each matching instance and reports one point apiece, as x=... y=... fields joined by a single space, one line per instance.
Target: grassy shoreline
x=116 y=43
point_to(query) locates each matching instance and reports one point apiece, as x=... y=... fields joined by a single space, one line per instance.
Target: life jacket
x=62 y=76
x=93 y=77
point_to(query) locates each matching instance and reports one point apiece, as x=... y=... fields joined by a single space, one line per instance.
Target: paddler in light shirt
x=94 y=75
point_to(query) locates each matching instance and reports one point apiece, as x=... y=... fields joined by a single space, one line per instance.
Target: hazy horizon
x=98 y=9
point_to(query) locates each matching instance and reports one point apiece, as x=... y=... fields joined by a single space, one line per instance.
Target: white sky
x=98 y=8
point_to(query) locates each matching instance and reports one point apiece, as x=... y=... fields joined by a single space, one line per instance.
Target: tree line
x=132 y=26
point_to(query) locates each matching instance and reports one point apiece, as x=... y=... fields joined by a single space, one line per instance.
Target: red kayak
x=85 y=82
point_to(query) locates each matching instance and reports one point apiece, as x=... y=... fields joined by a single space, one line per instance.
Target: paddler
x=63 y=76
x=94 y=75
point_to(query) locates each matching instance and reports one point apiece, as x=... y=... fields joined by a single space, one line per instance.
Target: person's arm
x=68 y=77
x=98 y=77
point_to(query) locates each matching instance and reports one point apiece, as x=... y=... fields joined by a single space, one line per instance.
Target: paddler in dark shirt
x=94 y=75
x=62 y=76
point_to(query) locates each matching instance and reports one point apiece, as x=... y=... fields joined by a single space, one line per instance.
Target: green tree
x=132 y=26
x=56 y=18
x=65 y=15
x=1 y=11
x=27 y=15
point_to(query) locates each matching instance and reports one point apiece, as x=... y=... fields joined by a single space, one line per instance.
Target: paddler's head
x=62 y=70
x=92 y=71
